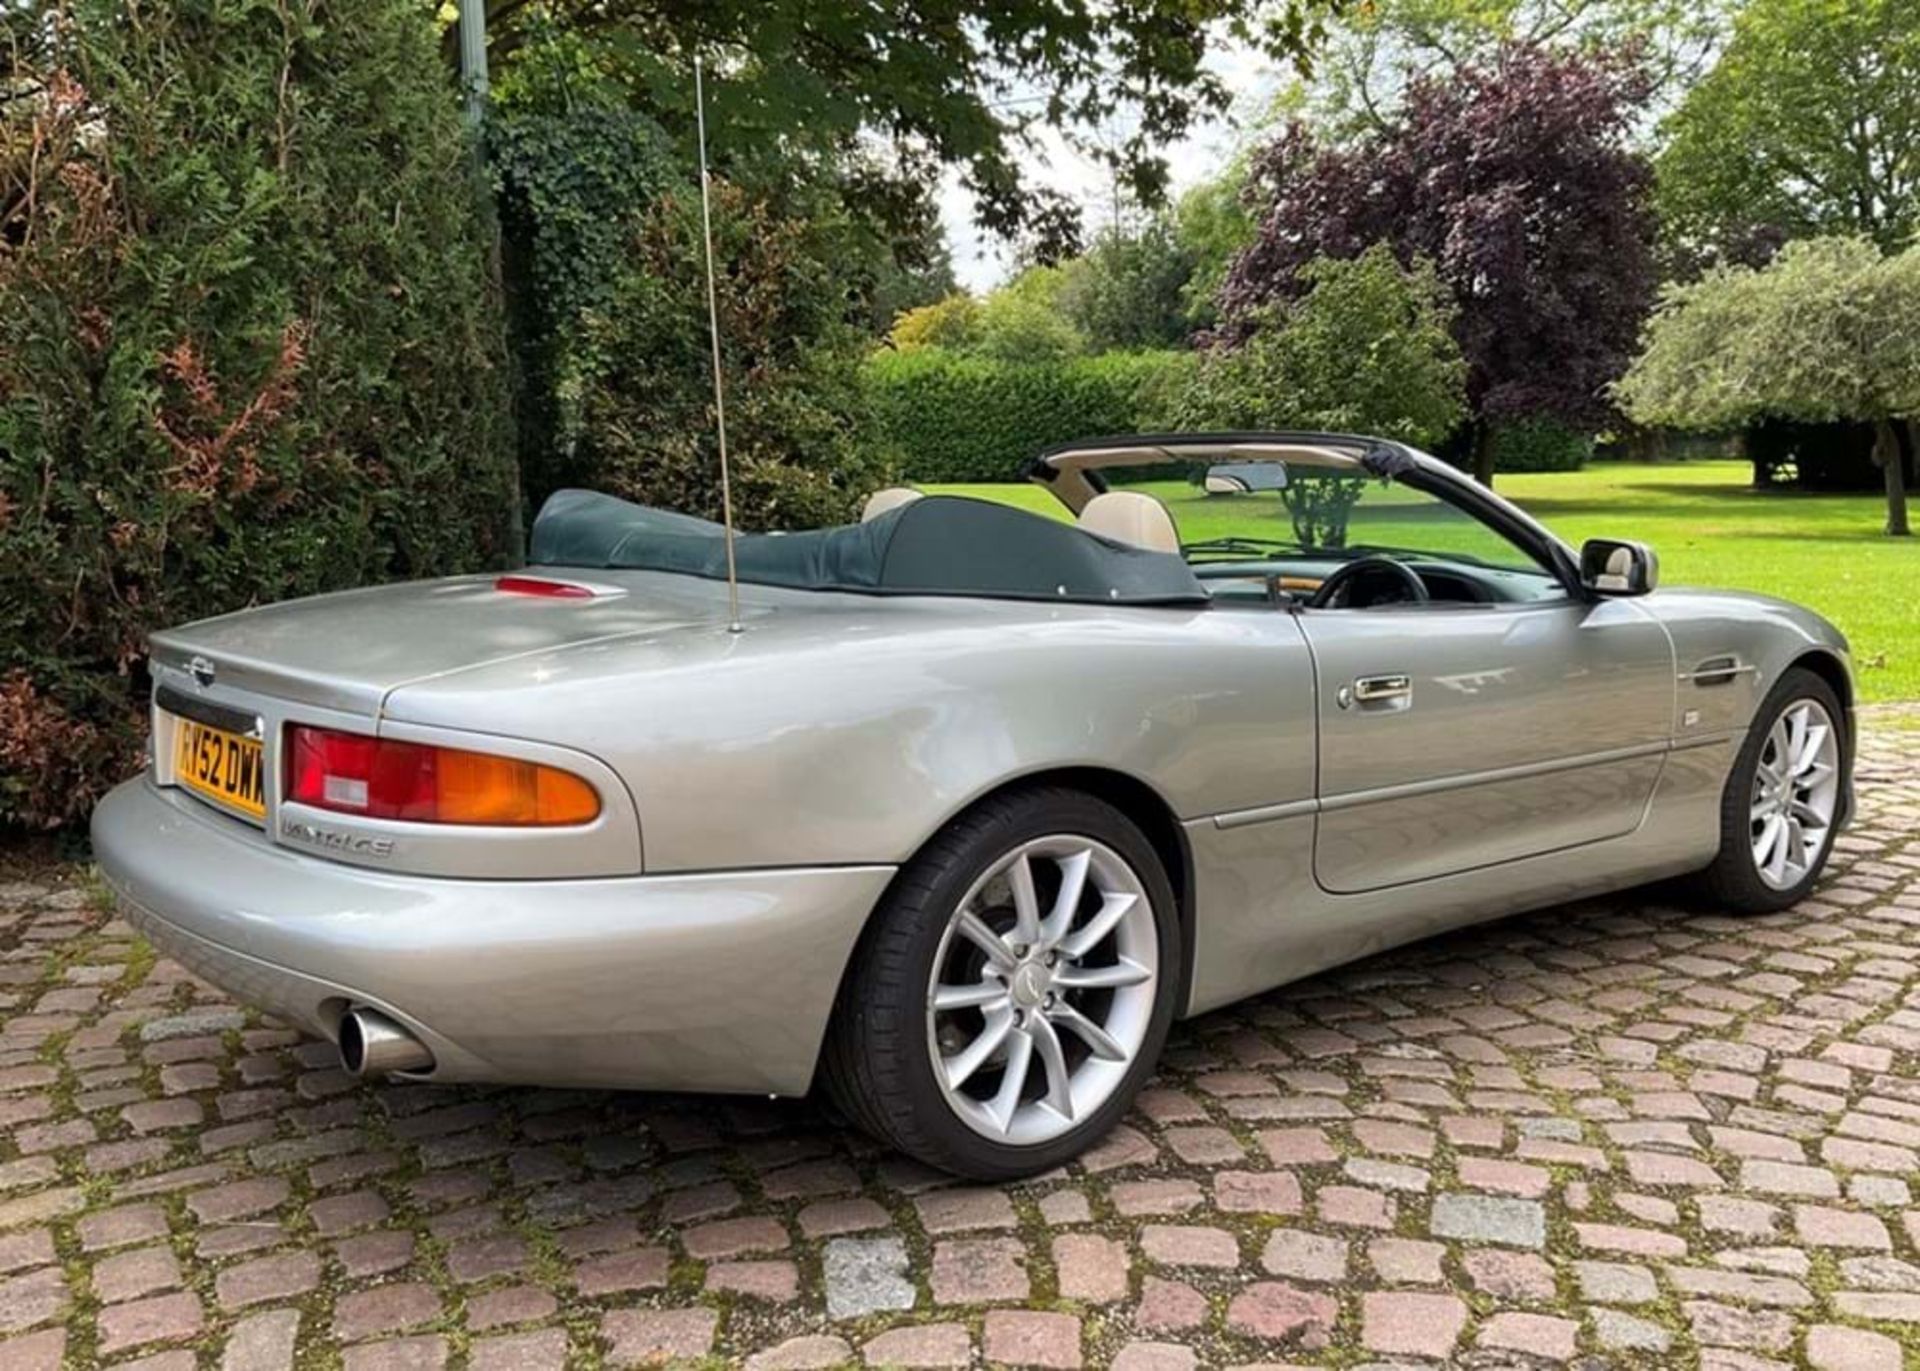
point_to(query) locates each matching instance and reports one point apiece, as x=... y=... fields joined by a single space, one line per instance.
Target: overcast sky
x=980 y=261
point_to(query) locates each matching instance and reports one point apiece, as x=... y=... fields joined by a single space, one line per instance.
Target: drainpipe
x=473 y=59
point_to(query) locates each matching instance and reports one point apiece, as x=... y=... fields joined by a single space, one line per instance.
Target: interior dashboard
x=1295 y=580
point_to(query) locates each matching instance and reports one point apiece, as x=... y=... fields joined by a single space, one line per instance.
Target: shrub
x=248 y=348
x=600 y=216
x=570 y=186
x=952 y=323
x=1024 y=321
x=958 y=418
x=1366 y=349
x=796 y=409
x=1540 y=445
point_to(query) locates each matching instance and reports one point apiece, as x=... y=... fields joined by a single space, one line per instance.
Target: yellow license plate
x=222 y=766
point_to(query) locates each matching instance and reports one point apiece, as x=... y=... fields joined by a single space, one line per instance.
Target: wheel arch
x=1133 y=797
x=1155 y=818
x=1830 y=668
x=1833 y=671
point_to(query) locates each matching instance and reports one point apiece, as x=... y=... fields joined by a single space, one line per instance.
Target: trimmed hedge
x=1539 y=444
x=951 y=418
x=248 y=345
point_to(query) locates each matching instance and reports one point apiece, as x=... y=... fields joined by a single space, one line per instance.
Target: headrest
x=881 y=501
x=1131 y=517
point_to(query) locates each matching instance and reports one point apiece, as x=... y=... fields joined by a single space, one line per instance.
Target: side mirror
x=1613 y=566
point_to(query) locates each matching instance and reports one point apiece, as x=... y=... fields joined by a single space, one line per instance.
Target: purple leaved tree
x=1518 y=182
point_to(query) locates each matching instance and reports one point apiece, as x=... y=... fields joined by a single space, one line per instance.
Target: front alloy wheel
x=1013 y=988
x=1796 y=792
x=1781 y=808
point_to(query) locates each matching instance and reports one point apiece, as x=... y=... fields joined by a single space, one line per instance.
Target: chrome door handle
x=1373 y=690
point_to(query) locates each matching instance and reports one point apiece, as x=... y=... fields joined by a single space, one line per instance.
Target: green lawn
x=1710 y=529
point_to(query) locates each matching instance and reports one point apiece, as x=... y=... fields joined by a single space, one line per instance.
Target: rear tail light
x=382 y=778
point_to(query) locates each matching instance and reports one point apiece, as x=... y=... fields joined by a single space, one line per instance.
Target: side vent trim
x=1718 y=671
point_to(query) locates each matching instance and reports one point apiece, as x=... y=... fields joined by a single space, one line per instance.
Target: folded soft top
x=941 y=545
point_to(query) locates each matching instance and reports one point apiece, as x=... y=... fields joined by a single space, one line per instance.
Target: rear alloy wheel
x=1014 y=989
x=1781 y=808
x=1034 y=1017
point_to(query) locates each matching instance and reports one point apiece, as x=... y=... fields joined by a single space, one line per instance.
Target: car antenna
x=713 y=331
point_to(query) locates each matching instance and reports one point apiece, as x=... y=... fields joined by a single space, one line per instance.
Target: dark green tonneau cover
x=940 y=545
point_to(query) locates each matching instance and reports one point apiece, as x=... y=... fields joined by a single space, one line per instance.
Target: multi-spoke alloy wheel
x=1043 y=988
x=1796 y=791
x=1013 y=987
x=1784 y=799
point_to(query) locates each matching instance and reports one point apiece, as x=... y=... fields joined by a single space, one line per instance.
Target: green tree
x=1809 y=124
x=1128 y=291
x=1830 y=329
x=907 y=280
x=942 y=84
x=1375 y=51
x=1368 y=348
x=1023 y=320
x=248 y=344
x=1211 y=225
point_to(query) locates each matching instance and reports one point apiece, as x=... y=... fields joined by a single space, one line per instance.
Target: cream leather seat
x=881 y=501
x=1131 y=517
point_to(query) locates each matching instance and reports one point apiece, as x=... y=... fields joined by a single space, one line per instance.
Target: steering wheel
x=1337 y=591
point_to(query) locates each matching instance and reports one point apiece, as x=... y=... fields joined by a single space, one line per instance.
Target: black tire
x=1733 y=882
x=877 y=1063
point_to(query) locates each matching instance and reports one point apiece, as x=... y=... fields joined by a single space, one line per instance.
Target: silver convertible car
x=971 y=802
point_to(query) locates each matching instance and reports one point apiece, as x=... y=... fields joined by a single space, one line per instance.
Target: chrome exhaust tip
x=371 y=1044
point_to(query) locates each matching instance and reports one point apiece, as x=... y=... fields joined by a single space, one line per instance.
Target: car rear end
x=449 y=903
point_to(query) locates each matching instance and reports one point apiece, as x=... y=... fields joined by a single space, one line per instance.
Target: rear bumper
x=717 y=981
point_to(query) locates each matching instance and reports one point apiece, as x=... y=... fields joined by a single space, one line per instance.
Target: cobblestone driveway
x=1617 y=1133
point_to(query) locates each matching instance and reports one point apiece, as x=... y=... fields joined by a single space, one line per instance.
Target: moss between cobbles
x=63 y=1095
x=1043 y=1277
x=316 y=1346
x=1825 y=1280
x=1823 y=1275
x=919 y=1247
x=810 y=1264
x=548 y=1268
x=82 y=1332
